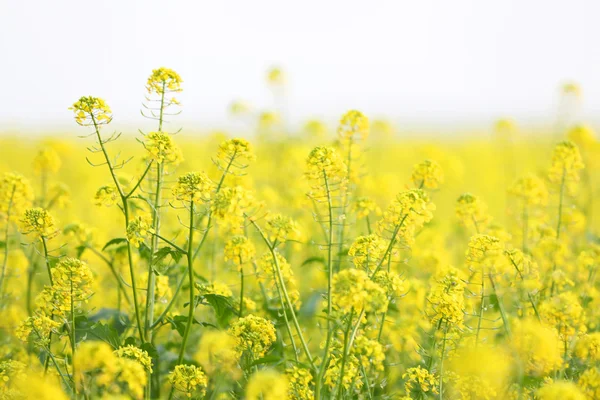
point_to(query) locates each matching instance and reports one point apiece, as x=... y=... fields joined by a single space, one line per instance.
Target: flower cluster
x=354 y=125
x=193 y=187
x=325 y=170
x=106 y=196
x=254 y=335
x=163 y=80
x=365 y=206
x=39 y=223
x=566 y=163
x=16 y=195
x=91 y=110
x=531 y=190
x=427 y=174
x=137 y=354
x=239 y=250
x=162 y=149
x=281 y=228
x=236 y=153
x=267 y=272
x=189 y=380
x=46 y=161
x=353 y=291
x=366 y=252
x=139 y=228
x=406 y=215
x=217 y=353
x=300 y=383
x=267 y=384
x=472 y=212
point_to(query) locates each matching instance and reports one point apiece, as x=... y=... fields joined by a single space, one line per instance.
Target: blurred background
x=440 y=67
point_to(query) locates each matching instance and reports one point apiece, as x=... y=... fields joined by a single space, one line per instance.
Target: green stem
x=6 y=232
x=323 y=365
x=286 y=296
x=500 y=306
x=241 y=314
x=125 y=205
x=481 y=306
x=73 y=366
x=339 y=385
x=148 y=321
x=190 y=268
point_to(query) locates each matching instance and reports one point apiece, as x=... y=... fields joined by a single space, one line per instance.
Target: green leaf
x=168 y=251
x=270 y=359
x=149 y=347
x=315 y=259
x=113 y=242
x=80 y=250
x=87 y=329
x=145 y=252
x=117 y=320
x=179 y=322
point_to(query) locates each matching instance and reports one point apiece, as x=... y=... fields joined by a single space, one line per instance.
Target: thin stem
x=500 y=306
x=339 y=385
x=241 y=314
x=285 y=293
x=153 y=247
x=74 y=370
x=6 y=232
x=559 y=222
x=124 y=201
x=329 y=287
x=481 y=306
x=190 y=268
x=47 y=258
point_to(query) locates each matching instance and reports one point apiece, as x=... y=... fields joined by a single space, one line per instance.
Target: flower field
x=335 y=262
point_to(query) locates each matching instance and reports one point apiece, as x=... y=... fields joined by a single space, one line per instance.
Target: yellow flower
x=587 y=347
x=193 y=187
x=163 y=80
x=428 y=174
x=406 y=215
x=160 y=147
x=281 y=228
x=538 y=347
x=16 y=195
x=46 y=161
x=189 y=380
x=216 y=353
x=566 y=163
x=472 y=212
x=352 y=290
x=354 y=125
x=254 y=335
x=137 y=354
x=91 y=110
x=531 y=189
x=139 y=228
x=276 y=76
x=106 y=196
x=300 y=382
x=560 y=390
x=419 y=380
x=235 y=153
x=364 y=206
x=589 y=382
x=267 y=384
x=366 y=252
x=239 y=250
x=39 y=222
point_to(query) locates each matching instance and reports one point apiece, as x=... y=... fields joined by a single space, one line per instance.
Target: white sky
x=417 y=60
